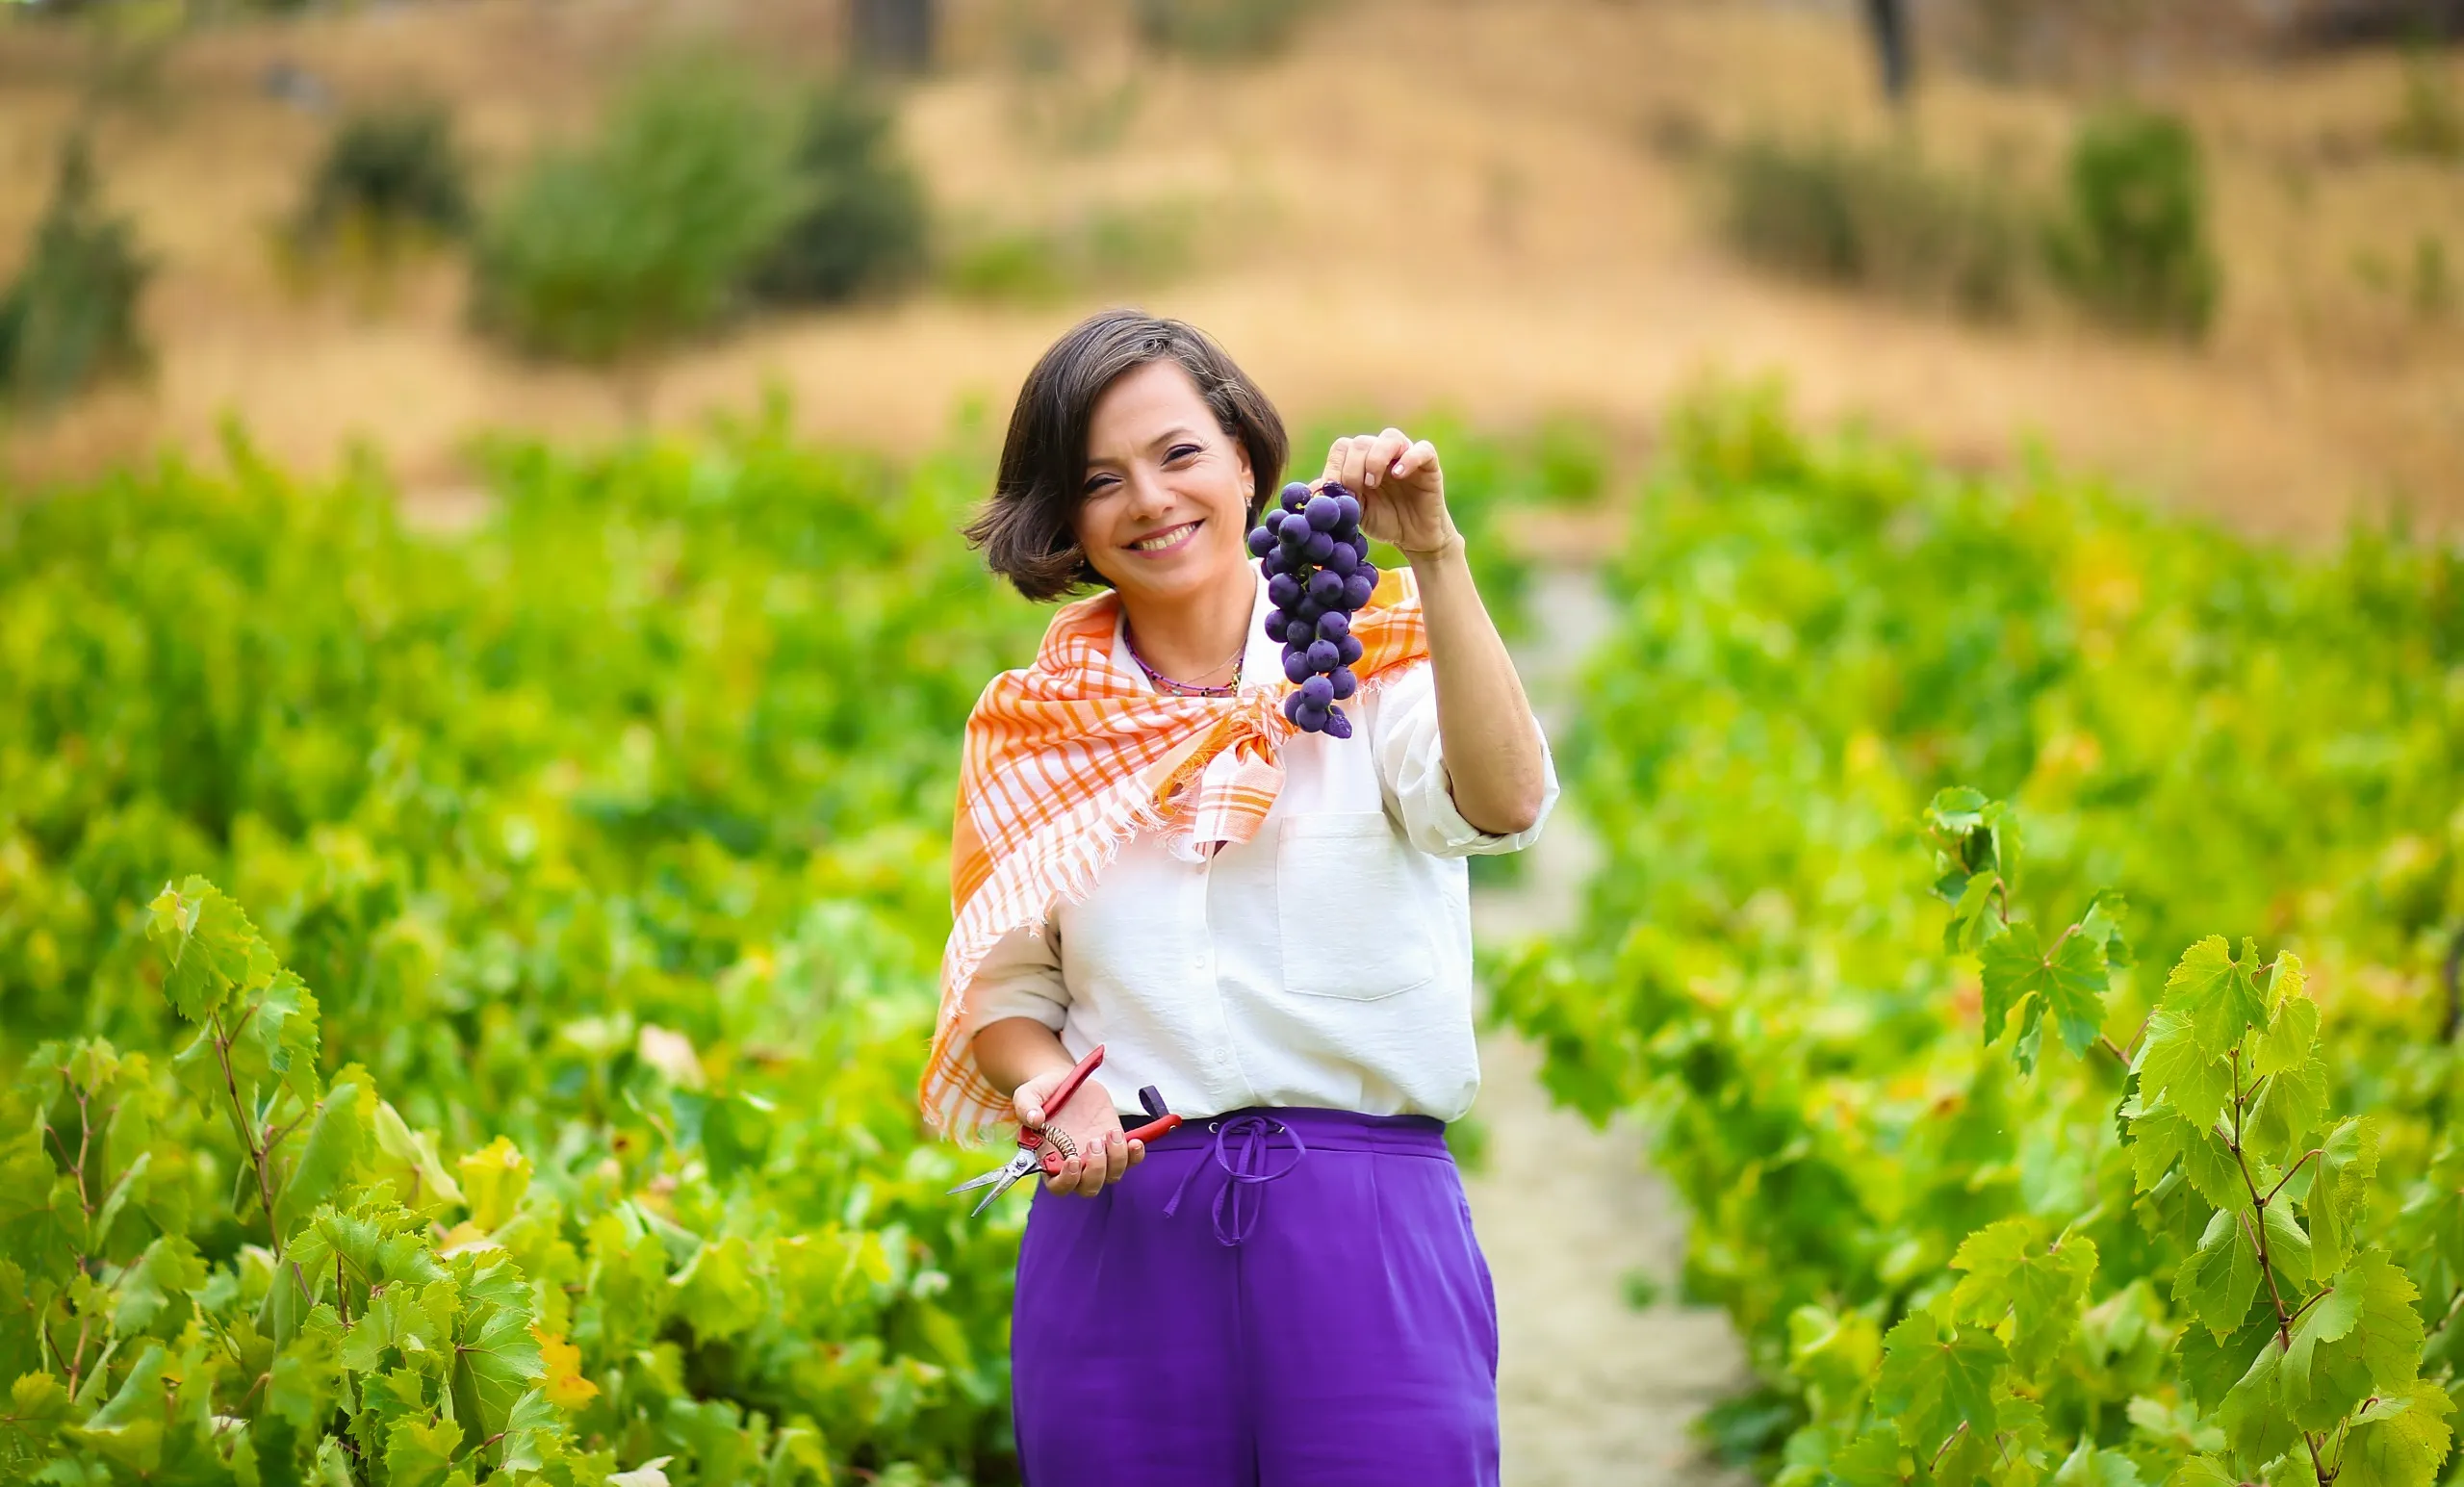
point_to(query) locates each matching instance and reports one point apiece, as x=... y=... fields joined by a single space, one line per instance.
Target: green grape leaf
x=171 y=1267
x=38 y=1405
x=277 y=1042
x=2347 y=1161
x=2211 y=1365
x=419 y=1174
x=2102 y=923
x=418 y=1452
x=2214 y=990
x=2088 y=1467
x=2217 y=1282
x=2255 y=1424
x=1875 y=1458
x=2068 y=980
x=2162 y=1136
x=718 y=1293
x=2202 y=1471
x=211 y=946
x=2327 y=1318
x=2290 y=1107
x=336 y=1137
x=2290 y=1035
x=2380 y=1349
x=2042 y=1288
x=2288 y=1247
x=1930 y=1383
x=2173 y=1066
x=2398 y=1440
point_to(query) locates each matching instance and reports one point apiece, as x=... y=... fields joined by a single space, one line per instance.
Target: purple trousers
x=1276 y=1297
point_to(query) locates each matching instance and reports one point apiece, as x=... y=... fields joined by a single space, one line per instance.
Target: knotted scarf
x=1066 y=759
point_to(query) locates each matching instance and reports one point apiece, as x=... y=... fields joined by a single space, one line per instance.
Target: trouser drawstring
x=1246 y=1166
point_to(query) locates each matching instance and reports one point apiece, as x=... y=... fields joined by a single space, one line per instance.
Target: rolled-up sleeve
x=1020 y=977
x=1411 y=770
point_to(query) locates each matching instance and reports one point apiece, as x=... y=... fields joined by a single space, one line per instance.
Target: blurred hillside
x=1509 y=207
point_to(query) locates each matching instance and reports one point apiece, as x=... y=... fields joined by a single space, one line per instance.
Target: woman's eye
x=1181 y=450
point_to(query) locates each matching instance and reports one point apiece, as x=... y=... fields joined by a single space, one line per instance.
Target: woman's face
x=1166 y=491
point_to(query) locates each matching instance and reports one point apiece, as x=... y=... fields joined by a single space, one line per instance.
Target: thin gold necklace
x=1165 y=683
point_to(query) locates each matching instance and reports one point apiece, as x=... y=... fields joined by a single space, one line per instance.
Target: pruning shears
x=1047 y=1149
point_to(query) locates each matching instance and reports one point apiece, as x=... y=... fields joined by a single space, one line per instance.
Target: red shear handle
x=1061 y=1091
x=1146 y=1133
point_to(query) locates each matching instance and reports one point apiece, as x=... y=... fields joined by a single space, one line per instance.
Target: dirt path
x=1592 y=1391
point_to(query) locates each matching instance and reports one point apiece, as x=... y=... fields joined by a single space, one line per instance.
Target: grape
x=1325 y=586
x=1261 y=542
x=1283 y=591
x=1337 y=724
x=1357 y=588
x=1316 y=545
x=1344 y=681
x=1342 y=560
x=1312 y=720
x=1295 y=535
x=1334 y=625
x=1348 y=649
x=1299 y=632
x=1307 y=612
x=1322 y=512
x=1350 y=504
x=1291 y=705
x=1278 y=625
x=1295 y=666
x=1295 y=495
x=1360 y=545
x=1327 y=655
x=1318 y=691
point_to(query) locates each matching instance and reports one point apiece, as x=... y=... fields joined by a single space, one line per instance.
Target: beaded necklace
x=1165 y=683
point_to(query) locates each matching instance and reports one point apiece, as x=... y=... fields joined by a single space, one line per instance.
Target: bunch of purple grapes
x=1318 y=574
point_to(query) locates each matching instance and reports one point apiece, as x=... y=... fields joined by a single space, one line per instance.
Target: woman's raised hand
x=1093 y=1128
x=1402 y=491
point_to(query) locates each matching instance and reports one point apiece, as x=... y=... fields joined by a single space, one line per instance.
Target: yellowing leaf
x=564 y=1384
x=493 y=1179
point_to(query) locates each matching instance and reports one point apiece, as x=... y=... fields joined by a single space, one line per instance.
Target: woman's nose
x=1149 y=495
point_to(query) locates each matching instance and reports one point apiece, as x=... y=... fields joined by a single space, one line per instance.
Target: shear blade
x=1008 y=1175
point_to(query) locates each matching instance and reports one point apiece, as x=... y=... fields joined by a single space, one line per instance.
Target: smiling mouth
x=1165 y=542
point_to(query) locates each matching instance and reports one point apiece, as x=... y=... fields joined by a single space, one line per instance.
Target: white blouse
x=1327 y=960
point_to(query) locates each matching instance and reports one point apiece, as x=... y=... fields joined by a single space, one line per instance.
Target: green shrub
x=2428 y=118
x=1107 y=246
x=648 y=233
x=386 y=171
x=70 y=317
x=2132 y=246
x=1221 y=30
x=862 y=222
x=1875 y=216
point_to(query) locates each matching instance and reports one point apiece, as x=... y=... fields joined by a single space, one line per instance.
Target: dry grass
x=1445 y=202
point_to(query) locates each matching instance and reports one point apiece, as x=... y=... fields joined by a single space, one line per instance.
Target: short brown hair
x=1026 y=530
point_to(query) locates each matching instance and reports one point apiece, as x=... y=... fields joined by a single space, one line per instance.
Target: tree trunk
x=893 y=34
x=1887 y=20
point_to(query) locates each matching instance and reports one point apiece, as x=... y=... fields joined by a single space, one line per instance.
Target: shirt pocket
x=1349 y=911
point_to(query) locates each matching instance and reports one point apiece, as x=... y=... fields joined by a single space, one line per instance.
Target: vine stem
x=2314 y=1151
x=247 y=1137
x=2255 y=1223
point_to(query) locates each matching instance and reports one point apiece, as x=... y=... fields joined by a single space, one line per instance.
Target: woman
x=1269 y=926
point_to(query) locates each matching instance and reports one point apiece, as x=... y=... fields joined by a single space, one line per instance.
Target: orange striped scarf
x=1067 y=758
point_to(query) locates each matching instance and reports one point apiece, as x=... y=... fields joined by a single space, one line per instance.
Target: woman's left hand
x=1402 y=491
